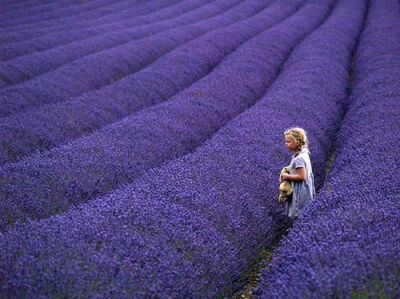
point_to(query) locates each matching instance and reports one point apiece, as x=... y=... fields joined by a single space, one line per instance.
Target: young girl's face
x=290 y=144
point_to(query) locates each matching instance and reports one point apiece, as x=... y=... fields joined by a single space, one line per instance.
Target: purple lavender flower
x=30 y=31
x=227 y=183
x=62 y=37
x=123 y=248
x=53 y=181
x=30 y=66
x=59 y=14
x=52 y=125
x=96 y=70
x=346 y=243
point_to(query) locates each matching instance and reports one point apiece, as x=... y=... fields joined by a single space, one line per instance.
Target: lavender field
x=141 y=143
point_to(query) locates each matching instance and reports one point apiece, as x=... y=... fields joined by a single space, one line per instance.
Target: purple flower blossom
x=346 y=243
x=53 y=181
x=222 y=195
x=67 y=14
x=118 y=23
x=30 y=31
x=99 y=69
x=29 y=66
x=52 y=125
x=185 y=192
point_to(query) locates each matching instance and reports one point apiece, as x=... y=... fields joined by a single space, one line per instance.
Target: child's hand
x=284 y=176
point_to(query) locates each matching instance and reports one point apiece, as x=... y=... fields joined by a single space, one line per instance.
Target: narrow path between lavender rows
x=266 y=254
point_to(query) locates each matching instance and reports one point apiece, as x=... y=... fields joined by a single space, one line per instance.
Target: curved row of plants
x=31 y=31
x=53 y=181
x=346 y=242
x=51 y=125
x=99 y=69
x=151 y=23
x=34 y=16
x=15 y=9
x=61 y=14
x=179 y=229
x=29 y=66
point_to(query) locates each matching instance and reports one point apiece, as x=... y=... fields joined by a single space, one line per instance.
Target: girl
x=301 y=175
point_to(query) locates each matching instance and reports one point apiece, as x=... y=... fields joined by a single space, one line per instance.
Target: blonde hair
x=299 y=136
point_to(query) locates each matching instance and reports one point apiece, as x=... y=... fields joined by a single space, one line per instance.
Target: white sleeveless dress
x=303 y=191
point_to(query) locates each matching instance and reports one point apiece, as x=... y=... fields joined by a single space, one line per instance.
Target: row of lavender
x=29 y=31
x=11 y=8
x=62 y=14
x=347 y=242
x=52 y=125
x=29 y=43
x=99 y=69
x=58 y=48
x=89 y=166
x=179 y=230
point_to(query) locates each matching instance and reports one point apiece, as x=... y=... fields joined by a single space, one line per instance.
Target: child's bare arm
x=299 y=176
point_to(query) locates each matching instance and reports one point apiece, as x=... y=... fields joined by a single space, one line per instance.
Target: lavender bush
x=54 y=39
x=12 y=9
x=29 y=66
x=64 y=14
x=54 y=124
x=30 y=32
x=346 y=244
x=123 y=151
x=192 y=226
x=155 y=246
x=224 y=181
x=96 y=70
